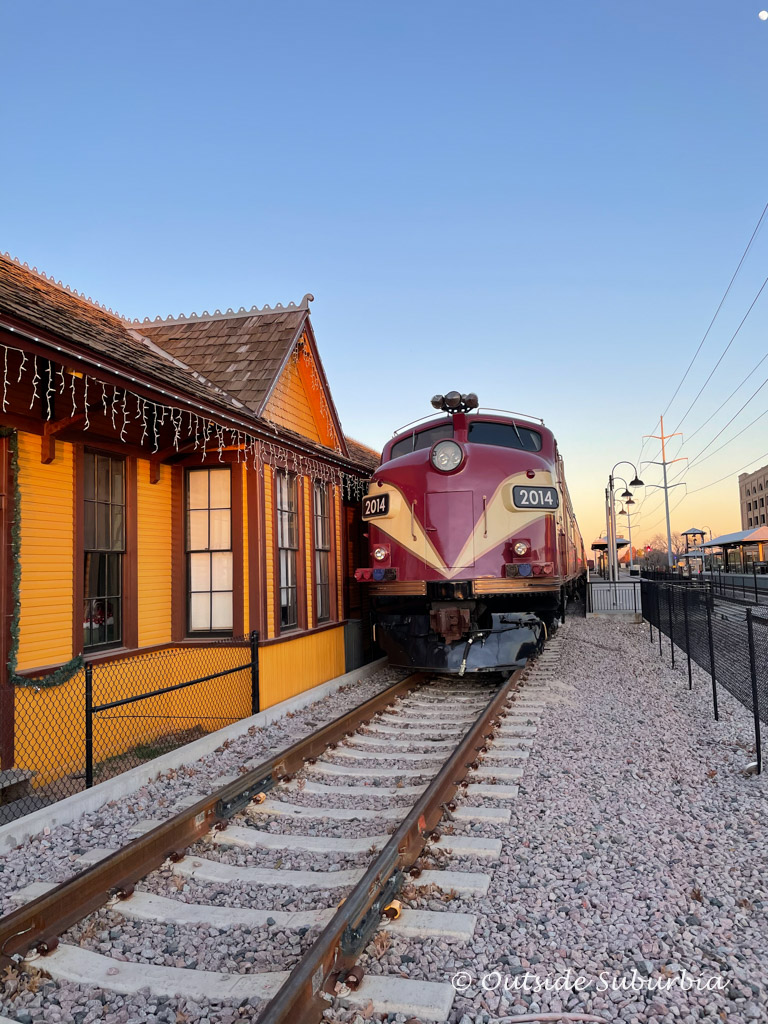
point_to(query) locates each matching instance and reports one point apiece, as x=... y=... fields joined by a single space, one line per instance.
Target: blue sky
x=540 y=202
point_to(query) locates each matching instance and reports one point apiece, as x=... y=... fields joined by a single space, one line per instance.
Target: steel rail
x=304 y=995
x=38 y=924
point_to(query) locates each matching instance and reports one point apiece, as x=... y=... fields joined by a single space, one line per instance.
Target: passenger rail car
x=474 y=547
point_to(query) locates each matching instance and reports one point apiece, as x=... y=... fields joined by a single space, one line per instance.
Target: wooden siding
x=269 y=559
x=290 y=405
x=296 y=665
x=155 y=523
x=47 y=554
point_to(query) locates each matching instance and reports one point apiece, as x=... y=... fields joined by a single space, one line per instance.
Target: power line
x=730 y=473
x=709 y=328
x=723 y=353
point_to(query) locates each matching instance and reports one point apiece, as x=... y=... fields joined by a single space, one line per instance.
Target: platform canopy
x=732 y=540
x=601 y=543
x=693 y=532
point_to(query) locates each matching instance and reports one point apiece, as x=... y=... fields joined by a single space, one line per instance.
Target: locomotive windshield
x=504 y=435
x=424 y=439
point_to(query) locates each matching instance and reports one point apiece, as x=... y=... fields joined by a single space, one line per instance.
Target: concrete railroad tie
x=431 y=1001
x=469 y=883
x=147 y=906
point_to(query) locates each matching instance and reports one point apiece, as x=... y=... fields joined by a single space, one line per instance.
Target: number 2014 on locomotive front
x=375 y=505
x=535 y=497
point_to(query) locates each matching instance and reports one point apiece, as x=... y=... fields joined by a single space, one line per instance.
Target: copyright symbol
x=461 y=981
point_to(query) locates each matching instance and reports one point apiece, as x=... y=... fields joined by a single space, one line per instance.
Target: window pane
x=288 y=616
x=221 y=570
x=117 y=482
x=222 y=611
x=89 y=476
x=220 y=529
x=89 y=526
x=103 y=481
x=287 y=568
x=220 y=489
x=102 y=526
x=98 y=628
x=200 y=572
x=200 y=611
x=113 y=564
x=197 y=488
x=113 y=631
x=118 y=528
x=197 y=531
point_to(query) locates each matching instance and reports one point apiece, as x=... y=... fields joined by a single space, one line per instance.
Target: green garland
x=64 y=672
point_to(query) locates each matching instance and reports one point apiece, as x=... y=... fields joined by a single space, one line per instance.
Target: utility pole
x=667 y=487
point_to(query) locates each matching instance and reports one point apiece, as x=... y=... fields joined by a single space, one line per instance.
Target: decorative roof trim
x=230 y=313
x=181 y=318
x=66 y=288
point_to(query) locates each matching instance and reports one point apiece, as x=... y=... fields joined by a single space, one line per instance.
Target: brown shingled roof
x=362 y=454
x=240 y=354
x=41 y=303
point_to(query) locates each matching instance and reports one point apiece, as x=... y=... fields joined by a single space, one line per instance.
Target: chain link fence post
x=671 y=603
x=255 y=691
x=755 y=698
x=657 y=588
x=88 y=726
x=687 y=638
x=712 y=657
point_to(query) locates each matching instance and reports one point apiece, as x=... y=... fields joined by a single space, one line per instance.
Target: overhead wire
x=709 y=328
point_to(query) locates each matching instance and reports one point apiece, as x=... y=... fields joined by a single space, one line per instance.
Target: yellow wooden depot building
x=166 y=488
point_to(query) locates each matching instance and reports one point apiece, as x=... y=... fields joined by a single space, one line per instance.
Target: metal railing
x=616 y=596
x=118 y=713
x=733 y=650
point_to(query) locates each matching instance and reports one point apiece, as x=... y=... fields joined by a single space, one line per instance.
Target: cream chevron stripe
x=501 y=520
x=399 y=529
x=490 y=530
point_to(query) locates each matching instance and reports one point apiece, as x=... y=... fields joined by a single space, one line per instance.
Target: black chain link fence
x=742 y=588
x=118 y=714
x=730 y=644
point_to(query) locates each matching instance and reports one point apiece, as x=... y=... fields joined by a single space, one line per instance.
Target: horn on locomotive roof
x=455 y=402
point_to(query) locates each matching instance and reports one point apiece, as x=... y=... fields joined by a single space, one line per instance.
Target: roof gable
x=240 y=353
x=299 y=399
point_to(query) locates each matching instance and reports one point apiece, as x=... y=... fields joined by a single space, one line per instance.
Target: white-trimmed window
x=287 y=508
x=209 y=550
x=322 y=528
x=104 y=547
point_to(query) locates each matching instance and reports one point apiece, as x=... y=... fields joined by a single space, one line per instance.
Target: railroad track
x=408 y=752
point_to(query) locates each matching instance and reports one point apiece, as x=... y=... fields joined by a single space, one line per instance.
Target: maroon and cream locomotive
x=474 y=547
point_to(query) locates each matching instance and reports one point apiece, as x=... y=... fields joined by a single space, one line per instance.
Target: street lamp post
x=635 y=482
x=626 y=494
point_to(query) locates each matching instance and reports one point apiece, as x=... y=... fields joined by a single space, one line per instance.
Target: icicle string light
x=50 y=392
x=200 y=429
x=35 y=379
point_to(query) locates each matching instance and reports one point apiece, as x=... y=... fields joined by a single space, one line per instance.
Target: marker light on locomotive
x=446 y=456
x=521 y=548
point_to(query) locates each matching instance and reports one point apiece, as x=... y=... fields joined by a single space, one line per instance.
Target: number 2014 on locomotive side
x=535 y=497
x=375 y=505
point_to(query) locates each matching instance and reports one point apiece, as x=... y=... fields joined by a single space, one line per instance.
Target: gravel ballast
x=636 y=851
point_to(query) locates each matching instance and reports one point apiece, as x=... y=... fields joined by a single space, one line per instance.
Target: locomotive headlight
x=379 y=554
x=446 y=455
x=521 y=548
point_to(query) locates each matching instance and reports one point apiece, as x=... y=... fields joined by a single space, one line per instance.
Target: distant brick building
x=753 y=492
